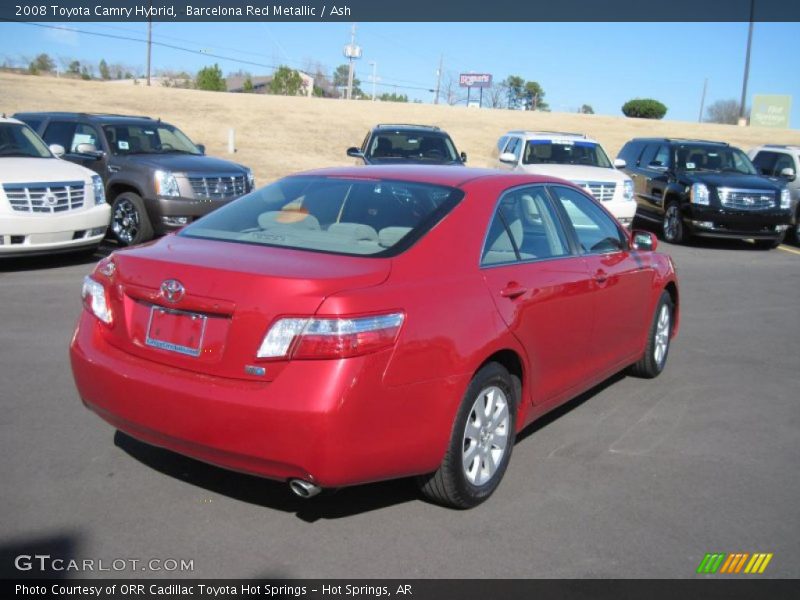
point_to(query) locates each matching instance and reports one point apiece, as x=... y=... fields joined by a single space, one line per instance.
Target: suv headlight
x=251 y=181
x=99 y=190
x=786 y=198
x=627 y=190
x=699 y=194
x=166 y=184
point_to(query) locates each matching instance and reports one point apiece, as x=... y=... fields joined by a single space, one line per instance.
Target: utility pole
x=351 y=52
x=742 y=118
x=374 y=77
x=702 y=101
x=149 y=40
x=438 y=80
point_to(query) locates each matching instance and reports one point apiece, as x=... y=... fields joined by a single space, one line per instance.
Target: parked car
x=707 y=189
x=156 y=178
x=418 y=144
x=574 y=157
x=783 y=163
x=47 y=205
x=337 y=327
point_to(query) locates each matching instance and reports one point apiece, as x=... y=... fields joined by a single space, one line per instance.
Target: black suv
x=702 y=188
x=418 y=144
x=156 y=179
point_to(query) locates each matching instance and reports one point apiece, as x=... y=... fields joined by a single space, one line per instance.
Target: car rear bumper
x=27 y=234
x=332 y=422
x=713 y=222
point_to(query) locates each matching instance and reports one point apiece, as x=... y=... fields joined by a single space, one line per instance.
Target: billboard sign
x=478 y=80
x=770 y=111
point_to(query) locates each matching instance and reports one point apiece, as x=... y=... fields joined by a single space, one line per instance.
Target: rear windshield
x=335 y=215
x=566 y=152
x=419 y=146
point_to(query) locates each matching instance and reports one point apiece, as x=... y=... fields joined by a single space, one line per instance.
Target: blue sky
x=601 y=64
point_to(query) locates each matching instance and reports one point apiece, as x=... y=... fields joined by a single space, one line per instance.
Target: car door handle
x=112 y=169
x=513 y=290
x=600 y=276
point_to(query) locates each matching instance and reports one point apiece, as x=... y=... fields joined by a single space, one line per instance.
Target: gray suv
x=157 y=180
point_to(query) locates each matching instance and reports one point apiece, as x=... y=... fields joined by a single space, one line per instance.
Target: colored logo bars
x=734 y=563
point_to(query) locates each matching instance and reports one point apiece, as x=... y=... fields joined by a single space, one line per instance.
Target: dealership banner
x=771 y=111
x=410 y=589
x=407 y=10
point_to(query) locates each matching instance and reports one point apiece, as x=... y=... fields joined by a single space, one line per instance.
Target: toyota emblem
x=172 y=290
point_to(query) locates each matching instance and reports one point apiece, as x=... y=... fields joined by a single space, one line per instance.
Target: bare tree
x=498 y=95
x=723 y=111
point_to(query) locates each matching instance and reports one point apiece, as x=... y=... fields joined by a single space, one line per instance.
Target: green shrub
x=644 y=108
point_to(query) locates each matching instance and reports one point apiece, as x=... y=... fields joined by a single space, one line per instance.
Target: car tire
x=659 y=337
x=130 y=224
x=481 y=442
x=673 y=227
x=769 y=244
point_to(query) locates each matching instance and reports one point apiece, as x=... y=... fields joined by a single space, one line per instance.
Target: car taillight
x=334 y=337
x=95 y=300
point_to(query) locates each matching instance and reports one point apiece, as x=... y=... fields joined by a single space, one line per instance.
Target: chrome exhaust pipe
x=304 y=489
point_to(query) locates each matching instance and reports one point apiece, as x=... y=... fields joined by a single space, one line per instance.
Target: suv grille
x=746 y=199
x=45 y=197
x=217 y=187
x=602 y=190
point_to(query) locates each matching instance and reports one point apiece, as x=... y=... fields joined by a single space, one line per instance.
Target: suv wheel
x=674 y=230
x=480 y=442
x=129 y=221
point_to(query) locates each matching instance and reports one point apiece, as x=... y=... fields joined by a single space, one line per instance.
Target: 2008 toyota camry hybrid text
x=350 y=325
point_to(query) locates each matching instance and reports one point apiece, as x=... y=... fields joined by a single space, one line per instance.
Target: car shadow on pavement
x=696 y=242
x=268 y=493
x=18 y=557
x=53 y=261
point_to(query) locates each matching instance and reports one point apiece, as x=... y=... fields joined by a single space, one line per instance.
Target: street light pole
x=742 y=118
x=374 y=76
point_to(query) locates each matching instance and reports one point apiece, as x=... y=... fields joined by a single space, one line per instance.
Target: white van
x=47 y=204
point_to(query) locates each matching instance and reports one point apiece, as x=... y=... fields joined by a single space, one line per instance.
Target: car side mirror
x=463 y=157
x=644 y=241
x=355 y=152
x=619 y=163
x=57 y=150
x=508 y=158
x=788 y=173
x=89 y=150
x=201 y=147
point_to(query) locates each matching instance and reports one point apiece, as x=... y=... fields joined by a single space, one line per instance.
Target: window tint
x=524 y=227
x=60 y=132
x=565 y=153
x=514 y=147
x=702 y=157
x=84 y=134
x=156 y=138
x=765 y=162
x=19 y=140
x=595 y=230
x=631 y=152
x=648 y=155
x=32 y=123
x=662 y=157
x=341 y=216
x=412 y=145
x=784 y=162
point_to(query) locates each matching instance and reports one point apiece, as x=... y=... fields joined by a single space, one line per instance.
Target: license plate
x=176 y=330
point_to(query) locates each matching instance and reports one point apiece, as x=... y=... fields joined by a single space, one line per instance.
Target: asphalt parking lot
x=634 y=479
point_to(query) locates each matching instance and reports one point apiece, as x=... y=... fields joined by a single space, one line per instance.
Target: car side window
x=765 y=162
x=662 y=157
x=631 y=152
x=596 y=231
x=84 y=134
x=60 y=132
x=513 y=147
x=784 y=162
x=648 y=155
x=524 y=227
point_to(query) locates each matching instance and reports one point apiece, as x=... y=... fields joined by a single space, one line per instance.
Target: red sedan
x=350 y=325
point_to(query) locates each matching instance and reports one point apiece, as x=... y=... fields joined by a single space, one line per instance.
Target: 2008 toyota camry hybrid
x=350 y=325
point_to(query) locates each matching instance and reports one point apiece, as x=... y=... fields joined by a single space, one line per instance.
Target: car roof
x=5 y=119
x=102 y=117
x=406 y=127
x=447 y=175
x=680 y=141
x=792 y=147
x=547 y=135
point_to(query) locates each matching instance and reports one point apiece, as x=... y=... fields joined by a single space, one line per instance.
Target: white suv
x=782 y=163
x=46 y=204
x=574 y=157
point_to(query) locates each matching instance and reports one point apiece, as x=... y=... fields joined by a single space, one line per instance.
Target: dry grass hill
x=277 y=135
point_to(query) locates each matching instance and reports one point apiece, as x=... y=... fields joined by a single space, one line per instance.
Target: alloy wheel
x=125 y=221
x=672 y=223
x=662 y=332
x=485 y=436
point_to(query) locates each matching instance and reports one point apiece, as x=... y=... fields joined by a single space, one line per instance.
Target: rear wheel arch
x=513 y=363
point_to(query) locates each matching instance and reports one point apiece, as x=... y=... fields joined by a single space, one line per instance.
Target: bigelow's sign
x=480 y=80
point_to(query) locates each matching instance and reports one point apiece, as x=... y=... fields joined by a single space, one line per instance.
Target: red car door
x=542 y=290
x=621 y=281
